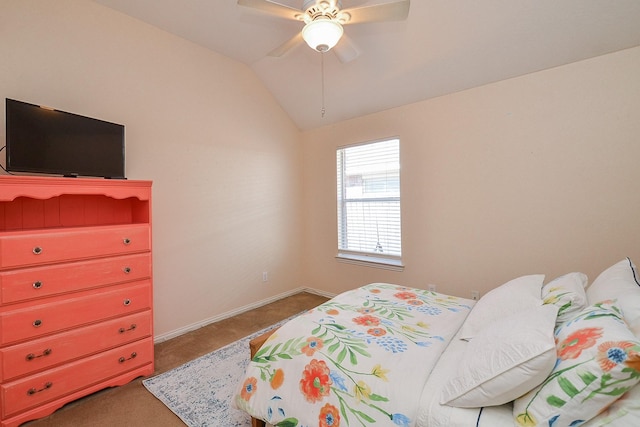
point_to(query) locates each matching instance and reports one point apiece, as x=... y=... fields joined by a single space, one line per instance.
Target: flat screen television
x=47 y=141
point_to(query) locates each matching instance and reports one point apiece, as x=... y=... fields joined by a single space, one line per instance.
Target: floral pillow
x=598 y=361
x=567 y=293
x=624 y=412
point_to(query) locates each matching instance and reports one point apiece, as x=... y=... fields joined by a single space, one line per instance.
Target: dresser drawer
x=40 y=388
x=57 y=314
x=29 y=248
x=23 y=359
x=37 y=282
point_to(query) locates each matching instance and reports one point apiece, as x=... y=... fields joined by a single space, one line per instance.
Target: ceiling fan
x=324 y=20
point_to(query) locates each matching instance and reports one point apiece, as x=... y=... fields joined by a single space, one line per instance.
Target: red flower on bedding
x=316 y=382
x=313 y=344
x=367 y=320
x=249 y=388
x=329 y=416
x=581 y=339
x=377 y=332
x=611 y=354
x=405 y=295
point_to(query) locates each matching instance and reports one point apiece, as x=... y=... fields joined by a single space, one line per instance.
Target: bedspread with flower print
x=360 y=359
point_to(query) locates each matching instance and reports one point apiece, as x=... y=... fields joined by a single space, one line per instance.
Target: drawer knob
x=131 y=328
x=37 y=323
x=133 y=356
x=37 y=250
x=127 y=270
x=127 y=301
x=33 y=391
x=126 y=241
x=37 y=285
x=32 y=356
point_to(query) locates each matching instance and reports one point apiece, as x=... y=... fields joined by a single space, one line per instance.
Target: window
x=369 y=203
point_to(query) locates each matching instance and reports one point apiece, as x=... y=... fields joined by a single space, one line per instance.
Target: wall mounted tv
x=47 y=141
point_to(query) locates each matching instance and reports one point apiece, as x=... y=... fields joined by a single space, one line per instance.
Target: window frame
x=363 y=258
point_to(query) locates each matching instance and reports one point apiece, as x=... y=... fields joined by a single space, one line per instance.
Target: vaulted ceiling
x=443 y=47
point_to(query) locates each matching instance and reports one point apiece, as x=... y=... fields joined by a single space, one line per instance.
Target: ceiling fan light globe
x=322 y=34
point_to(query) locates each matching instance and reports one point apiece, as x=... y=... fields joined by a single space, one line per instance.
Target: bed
x=528 y=353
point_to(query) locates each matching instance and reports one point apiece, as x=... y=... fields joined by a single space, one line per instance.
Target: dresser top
x=36 y=187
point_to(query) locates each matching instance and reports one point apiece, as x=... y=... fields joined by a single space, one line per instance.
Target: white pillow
x=619 y=282
x=512 y=297
x=505 y=360
x=567 y=293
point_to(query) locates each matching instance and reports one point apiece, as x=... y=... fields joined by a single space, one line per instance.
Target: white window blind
x=369 y=199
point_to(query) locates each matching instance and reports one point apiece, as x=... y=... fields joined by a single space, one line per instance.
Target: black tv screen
x=48 y=141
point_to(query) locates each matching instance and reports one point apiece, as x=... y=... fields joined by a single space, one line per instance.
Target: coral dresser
x=75 y=290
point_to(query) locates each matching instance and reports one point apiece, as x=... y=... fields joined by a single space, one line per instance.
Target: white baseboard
x=192 y=327
x=316 y=291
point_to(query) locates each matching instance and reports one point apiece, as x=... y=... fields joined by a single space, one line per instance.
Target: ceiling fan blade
x=395 y=11
x=286 y=46
x=346 y=50
x=272 y=8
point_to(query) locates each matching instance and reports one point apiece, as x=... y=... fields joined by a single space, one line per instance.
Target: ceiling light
x=322 y=34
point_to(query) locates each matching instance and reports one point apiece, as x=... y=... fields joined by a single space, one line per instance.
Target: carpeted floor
x=132 y=405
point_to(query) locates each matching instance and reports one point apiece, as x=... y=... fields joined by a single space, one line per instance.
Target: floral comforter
x=359 y=359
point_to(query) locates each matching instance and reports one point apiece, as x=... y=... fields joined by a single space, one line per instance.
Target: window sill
x=371 y=261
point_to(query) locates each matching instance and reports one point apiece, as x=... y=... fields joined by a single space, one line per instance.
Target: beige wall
x=537 y=174
x=224 y=157
x=534 y=174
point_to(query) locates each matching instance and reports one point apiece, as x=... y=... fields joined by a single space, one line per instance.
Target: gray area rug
x=200 y=392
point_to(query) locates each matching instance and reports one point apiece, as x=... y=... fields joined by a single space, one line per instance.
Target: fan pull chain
x=322 y=110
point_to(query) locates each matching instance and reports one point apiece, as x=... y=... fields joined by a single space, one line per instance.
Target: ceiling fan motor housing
x=317 y=8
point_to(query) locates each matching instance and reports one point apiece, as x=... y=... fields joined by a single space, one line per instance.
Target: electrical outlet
x=475 y=295
x=265 y=276
x=432 y=288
